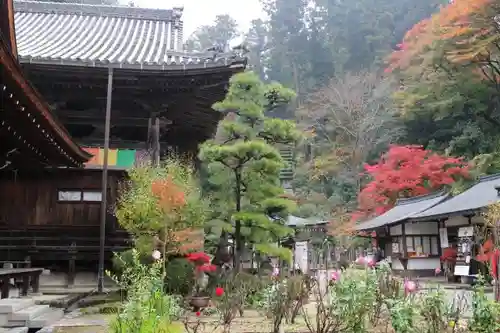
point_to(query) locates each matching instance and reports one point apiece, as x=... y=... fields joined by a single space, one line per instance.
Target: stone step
x=16 y=330
x=46 y=319
x=10 y=305
x=29 y=313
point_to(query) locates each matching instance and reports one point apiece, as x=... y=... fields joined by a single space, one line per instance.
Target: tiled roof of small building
x=404 y=209
x=98 y=35
x=482 y=194
x=294 y=221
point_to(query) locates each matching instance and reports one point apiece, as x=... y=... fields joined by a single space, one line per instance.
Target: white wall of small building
x=415 y=229
x=460 y=221
x=417 y=264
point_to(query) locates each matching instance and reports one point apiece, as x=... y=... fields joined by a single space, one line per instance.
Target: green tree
x=256 y=40
x=162 y=208
x=219 y=34
x=245 y=161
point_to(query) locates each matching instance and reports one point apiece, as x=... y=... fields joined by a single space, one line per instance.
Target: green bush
x=179 y=277
x=179 y=271
x=146 y=308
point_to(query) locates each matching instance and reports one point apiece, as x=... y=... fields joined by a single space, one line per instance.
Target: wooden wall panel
x=33 y=201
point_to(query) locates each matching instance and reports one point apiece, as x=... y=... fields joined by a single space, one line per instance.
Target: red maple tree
x=171 y=198
x=403 y=172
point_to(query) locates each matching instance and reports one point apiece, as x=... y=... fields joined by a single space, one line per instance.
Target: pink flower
x=410 y=286
x=335 y=276
x=438 y=271
x=370 y=263
x=361 y=261
x=276 y=271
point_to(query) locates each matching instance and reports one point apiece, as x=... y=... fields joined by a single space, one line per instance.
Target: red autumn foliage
x=403 y=172
x=170 y=195
x=171 y=198
x=464 y=21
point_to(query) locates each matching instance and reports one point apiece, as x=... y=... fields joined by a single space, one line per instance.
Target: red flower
x=198 y=313
x=198 y=257
x=219 y=291
x=206 y=268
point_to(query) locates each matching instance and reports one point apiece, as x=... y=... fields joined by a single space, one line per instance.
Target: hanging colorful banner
x=118 y=158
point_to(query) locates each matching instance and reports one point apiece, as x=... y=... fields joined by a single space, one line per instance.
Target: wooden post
x=72 y=265
x=404 y=259
x=157 y=142
x=5 y=282
x=35 y=282
x=25 y=285
x=107 y=128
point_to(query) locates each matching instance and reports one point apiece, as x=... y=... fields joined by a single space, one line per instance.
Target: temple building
x=94 y=66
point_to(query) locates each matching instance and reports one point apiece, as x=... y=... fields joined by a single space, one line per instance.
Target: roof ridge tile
x=167 y=15
x=419 y=198
x=488 y=178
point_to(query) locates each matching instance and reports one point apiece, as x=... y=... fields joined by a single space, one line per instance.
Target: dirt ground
x=252 y=322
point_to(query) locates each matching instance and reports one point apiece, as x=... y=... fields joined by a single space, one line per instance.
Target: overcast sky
x=202 y=12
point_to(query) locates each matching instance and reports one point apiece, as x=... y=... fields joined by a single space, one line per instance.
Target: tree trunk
x=237 y=224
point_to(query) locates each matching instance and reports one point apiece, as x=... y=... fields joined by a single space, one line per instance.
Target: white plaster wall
x=417 y=263
x=396 y=264
x=456 y=221
x=421 y=228
x=300 y=256
x=415 y=228
x=396 y=230
x=477 y=220
x=423 y=263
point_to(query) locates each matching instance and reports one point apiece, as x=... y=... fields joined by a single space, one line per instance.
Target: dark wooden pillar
x=154 y=139
x=72 y=265
x=404 y=258
x=5 y=283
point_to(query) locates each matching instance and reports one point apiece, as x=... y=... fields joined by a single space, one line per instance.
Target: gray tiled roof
x=482 y=194
x=404 y=209
x=294 y=221
x=97 y=35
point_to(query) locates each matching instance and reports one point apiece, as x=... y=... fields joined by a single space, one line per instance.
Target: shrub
x=179 y=277
x=146 y=308
x=485 y=312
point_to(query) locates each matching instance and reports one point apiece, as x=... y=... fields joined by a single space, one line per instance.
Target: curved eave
x=77 y=156
x=172 y=66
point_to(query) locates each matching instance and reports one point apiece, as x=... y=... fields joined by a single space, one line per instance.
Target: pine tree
x=246 y=161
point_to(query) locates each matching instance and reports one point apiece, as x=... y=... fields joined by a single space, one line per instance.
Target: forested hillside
x=370 y=74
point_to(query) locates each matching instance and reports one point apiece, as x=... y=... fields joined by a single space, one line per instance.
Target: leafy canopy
x=244 y=159
x=403 y=172
x=163 y=204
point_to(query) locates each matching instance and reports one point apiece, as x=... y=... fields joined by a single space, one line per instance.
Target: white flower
x=156 y=255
